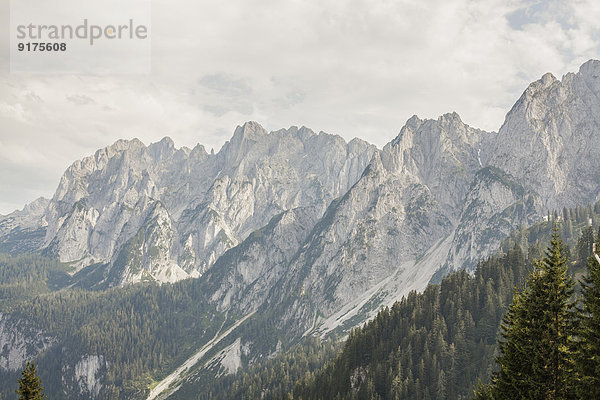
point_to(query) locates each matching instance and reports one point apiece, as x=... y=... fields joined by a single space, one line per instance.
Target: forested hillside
x=141 y=331
x=27 y=275
x=273 y=378
x=431 y=345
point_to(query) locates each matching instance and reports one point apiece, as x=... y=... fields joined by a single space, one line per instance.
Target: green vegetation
x=538 y=335
x=142 y=331
x=30 y=384
x=587 y=360
x=272 y=378
x=27 y=275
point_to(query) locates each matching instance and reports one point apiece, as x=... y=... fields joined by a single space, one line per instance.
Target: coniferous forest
x=547 y=344
x=437 y=344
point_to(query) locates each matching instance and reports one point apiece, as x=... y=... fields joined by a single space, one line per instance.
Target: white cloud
x=354 y=68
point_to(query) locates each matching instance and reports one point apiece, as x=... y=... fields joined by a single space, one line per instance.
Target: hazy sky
x=353 y=68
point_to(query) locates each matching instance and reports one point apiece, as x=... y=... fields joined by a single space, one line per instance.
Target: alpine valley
x=155 y=268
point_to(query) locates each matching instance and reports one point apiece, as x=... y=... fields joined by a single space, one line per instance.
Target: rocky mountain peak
x=590 y=73
x=164 y=143
x=446 y=132
x=244 y=137
x=249 y=130
x=450 y=118
x=547 y=79
x=357 y=145
x=546 y=133
x=414 y=122
x=36 y=207
x=443 y=154
x=532 y=95
x=123 y=145
x=199 y=151
x=305 y=132
x=162 y=149
x=590 y=68
x=105 y=205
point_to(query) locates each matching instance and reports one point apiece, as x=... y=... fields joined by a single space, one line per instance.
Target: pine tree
x=588 y=355
x=585 y=242
x=536 y=360
x=30 y=384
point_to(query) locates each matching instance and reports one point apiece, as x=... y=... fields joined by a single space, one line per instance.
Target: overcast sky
x=353 y=68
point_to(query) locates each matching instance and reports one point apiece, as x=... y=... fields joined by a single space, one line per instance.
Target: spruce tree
x=588 y=355
x=585 y=243
x=30 y=384
x=536 y=360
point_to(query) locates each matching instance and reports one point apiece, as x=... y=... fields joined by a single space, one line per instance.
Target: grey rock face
x=402 y=205
x=244 y=276
x=441 y=180
x=545 y=157
x=84 y=379
x=24 y=230
x=549 y=140
x=160 y=213
x=496 y=205
x=444 y=154
x=20 y=341
x=405 y=202
x=327 y=220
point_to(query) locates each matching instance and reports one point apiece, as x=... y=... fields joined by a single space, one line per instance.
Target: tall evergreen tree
x=536 y=360
x=585 y=243
x=588 y=355
x=30 y=384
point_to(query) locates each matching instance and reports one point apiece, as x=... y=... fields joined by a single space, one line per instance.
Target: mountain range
x=307 y=227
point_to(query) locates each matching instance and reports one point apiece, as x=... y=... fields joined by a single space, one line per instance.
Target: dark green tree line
x=549 y=349
x=537 y=345
x=588 y=351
